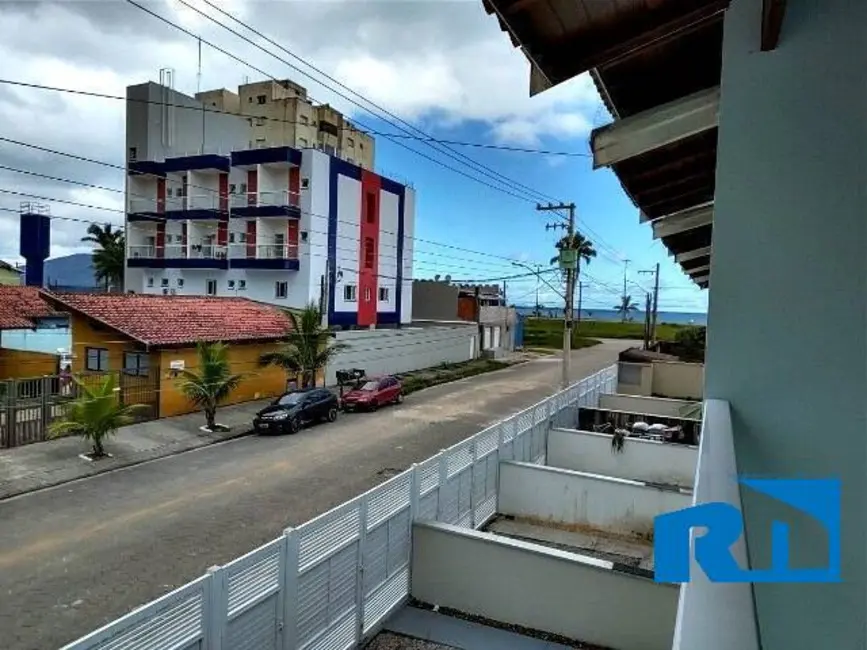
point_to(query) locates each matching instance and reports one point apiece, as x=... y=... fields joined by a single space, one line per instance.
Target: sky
x=443 y=66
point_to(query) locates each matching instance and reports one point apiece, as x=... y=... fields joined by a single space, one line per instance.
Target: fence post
x=414 y=494
x=359 y=587
x=216 y=610
x=12 y=413
x=444 y=477
x=475 y=450
x=289 y=623
x=46 y=407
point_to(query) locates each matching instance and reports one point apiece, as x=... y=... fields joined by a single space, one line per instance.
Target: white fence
x=331 y=582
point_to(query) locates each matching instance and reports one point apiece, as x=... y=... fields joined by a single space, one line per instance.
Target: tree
x=625 y=307
x=109 y=254
x=578 y=243
x=308 y=347
x=96 y=414
x=690 y=343
x=212 y=382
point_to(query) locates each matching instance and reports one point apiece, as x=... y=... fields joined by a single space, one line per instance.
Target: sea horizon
x=672 y=317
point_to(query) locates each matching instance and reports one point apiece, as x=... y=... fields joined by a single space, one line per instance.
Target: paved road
x=79 y=555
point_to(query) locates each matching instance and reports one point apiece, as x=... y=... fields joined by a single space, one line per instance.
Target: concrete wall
x=534 y=586
x=640 y=460
x=672 y=379
x=389 y=351
x=650 y=405
x=46 y=340
x=716 y=616
x=434 y=300
x=787 y=338
x=579 y=499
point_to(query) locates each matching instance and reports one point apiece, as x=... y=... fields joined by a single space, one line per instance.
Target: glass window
x=242 y=284
x=136 y=364
x=290 y=399
x=164 y=282
x=231 y=284
x=96 y=359
x=370 y=385
x=262 y=99
x=367 y=294
x=369 y=252
x=180 y=282
x=349 y=293
x=281 y=289
x=211 y=287
x=383 y=294
x=150 y=282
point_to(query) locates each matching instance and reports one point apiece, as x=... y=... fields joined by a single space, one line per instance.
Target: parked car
x=373 y=393
x=295 y=409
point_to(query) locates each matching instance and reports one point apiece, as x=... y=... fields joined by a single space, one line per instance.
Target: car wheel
x=294 y=425
x=399 y=399
x=332 y=414
x=374 y=405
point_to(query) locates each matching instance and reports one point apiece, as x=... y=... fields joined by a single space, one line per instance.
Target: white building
x=276 y=224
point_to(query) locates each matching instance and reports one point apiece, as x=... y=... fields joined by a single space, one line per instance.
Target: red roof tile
x=176 y=320
x=20 y=305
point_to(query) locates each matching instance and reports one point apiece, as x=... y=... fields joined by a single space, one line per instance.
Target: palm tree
x=109 y=254
x=625 y=307
x=578 y=243
x=212 y=382
x=308 y=347
x=96 y=414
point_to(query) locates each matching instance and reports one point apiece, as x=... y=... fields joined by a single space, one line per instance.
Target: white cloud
x=439 y=63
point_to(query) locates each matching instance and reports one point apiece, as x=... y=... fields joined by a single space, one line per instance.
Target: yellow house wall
x=21 y=364
x=259 y=383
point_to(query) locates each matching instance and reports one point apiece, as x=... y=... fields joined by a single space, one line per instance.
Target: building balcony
x=273 y=203
x=179 y=256
x=264 y=256
x=202 y=207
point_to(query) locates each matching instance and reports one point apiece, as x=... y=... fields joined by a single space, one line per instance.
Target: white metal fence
x=331 y=582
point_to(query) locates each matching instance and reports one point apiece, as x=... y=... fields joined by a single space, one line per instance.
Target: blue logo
x=819 y=498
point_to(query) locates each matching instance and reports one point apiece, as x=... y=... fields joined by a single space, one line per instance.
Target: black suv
x=292 y=410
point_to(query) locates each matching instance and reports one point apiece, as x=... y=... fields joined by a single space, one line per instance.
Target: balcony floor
x=413 y=628
x=628 y=553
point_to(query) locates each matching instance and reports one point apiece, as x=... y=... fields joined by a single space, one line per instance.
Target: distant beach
x=673 y=317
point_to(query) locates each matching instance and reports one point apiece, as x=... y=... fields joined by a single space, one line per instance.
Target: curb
x=39 y=486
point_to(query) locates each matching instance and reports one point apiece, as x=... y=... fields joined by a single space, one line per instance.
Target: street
x=79 y=555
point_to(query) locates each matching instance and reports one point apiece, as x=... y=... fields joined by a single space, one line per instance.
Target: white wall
x=203 y=189
x=527 y=584
x=647 y=405
x=348 y=227
x=313 y=254
x=390 y=351
x=574 y=498
x=640 y=460
x=408 y=254
x=40 y=340
x=388 y=223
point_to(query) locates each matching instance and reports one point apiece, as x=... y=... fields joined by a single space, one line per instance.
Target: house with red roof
x=32 y=333
x=148 y=338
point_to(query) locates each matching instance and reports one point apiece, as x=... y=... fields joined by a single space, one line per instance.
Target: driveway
x=79 y=555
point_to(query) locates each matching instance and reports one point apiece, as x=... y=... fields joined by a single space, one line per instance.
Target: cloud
x=437 y=63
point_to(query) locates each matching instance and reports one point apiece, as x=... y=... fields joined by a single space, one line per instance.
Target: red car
x=373 y=393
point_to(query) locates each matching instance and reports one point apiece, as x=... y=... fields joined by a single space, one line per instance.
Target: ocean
x=675 y=317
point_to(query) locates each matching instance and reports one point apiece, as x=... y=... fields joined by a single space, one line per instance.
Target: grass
x=446 y=372
x=550 y=329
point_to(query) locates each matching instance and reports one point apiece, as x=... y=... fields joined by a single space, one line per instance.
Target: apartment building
x=281 y=113
x=209 y=214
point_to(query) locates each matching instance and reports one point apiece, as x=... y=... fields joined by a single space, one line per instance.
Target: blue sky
x=454 y=209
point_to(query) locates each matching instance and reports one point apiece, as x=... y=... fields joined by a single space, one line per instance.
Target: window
x=231 y=238
x=369 y=252
x=211 y=287
x=164 y=282
x=242 y=284
x=250 y=99
x=383 y=294
x=371 y=208
x=133 y=153
x=242 y=237
x=150 y=282
x=231 y=284
x=180 y=282
x=96 y=359
x=305 y=183
x=349 y=294
x=349 y=142
x=261 y=99
x=243 y=188
x=136 y=364
x=232 y=188
x=260 y=142
x=281 y=289
x=367 y=294
x=303 y=119
x=260 y=121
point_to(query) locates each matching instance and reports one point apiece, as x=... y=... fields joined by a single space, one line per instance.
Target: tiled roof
x=20 y=305
x=177 y=320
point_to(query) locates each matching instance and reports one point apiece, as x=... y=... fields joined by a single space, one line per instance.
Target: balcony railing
x=205 y=201
x=263 y=251
x=263 y=198
x=179 y=252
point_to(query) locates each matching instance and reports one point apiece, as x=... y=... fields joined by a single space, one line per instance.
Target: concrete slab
x=457 y=633
x=630 y=552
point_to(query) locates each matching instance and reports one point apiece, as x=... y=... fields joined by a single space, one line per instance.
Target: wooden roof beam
x=692 y=255
x=772 y=22
x=678 y=222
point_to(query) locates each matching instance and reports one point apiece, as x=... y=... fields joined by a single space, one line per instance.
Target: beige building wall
x=280 y=114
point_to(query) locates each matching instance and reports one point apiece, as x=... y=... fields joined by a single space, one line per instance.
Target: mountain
x=70 y=271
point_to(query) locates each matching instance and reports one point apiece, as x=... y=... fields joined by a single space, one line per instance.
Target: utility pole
x=504 y=334
x=570 y=264
x=655 y=308
x=647 y=321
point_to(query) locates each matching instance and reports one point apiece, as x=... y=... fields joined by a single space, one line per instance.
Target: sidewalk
x=44 y=464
